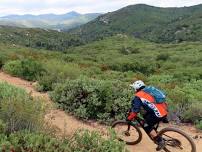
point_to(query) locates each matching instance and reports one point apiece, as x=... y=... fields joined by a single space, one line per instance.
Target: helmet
x=137 y=85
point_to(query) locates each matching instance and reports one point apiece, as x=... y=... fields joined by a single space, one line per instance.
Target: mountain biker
x=154 y=113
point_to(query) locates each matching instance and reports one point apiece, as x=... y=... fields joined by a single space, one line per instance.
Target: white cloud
x=82 y=6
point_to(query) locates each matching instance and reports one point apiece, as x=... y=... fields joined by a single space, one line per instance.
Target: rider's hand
x=131 y=116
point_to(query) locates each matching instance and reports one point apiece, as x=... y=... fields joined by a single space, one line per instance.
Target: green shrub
x=193 y=113
x=46 y=82
x=161 y=79
x=186 y=101
x=137 y=66
x=57 y=72
x=93 y=99
x=18 y=110
x=3 y=59
x=129 y=50
x=26 y=68
x=92 y=141
x=163 y=57
x=199 y=124
x=35 y=142
x=82 y=141
x=2 y=127
x=179 y=101
x=187 y=76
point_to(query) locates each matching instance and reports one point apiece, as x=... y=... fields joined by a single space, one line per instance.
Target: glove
x=131 y=116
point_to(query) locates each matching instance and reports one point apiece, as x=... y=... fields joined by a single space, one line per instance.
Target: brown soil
x=68 y=124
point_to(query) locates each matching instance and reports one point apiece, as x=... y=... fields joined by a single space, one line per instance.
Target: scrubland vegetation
x=92 y=81
x=22 y=128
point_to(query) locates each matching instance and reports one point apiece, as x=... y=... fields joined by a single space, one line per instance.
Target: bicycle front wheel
x=131 y=135
x=177 y=140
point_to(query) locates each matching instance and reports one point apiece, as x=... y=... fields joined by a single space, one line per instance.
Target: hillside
x=48 y=21
x=147 y=22
x=161 y=25
x=38 y=38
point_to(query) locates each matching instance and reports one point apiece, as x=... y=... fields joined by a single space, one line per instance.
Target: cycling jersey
x=148 y=103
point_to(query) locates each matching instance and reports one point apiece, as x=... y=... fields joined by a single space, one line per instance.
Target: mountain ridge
x=73 y=13
x=48 y=21
x=147 y=22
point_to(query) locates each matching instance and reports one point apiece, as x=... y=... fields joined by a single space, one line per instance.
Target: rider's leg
x=157 y=139
x=150 y=122
x=153 y=134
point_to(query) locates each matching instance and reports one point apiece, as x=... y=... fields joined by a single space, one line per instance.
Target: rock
x=196 y=137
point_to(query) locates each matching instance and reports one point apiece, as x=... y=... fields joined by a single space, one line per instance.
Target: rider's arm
x=136 y=106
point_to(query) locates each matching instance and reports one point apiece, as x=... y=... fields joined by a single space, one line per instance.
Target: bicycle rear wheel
x=131 y=135
x=177 y=140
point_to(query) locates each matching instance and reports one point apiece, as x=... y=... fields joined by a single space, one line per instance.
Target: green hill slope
x=38 y=38
x=147 y=22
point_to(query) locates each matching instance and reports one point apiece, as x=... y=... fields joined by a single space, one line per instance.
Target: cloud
x=82 y=6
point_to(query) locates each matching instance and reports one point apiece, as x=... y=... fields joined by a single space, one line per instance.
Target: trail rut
x=69 y=124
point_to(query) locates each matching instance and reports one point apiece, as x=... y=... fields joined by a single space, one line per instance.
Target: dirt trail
x=69 y=124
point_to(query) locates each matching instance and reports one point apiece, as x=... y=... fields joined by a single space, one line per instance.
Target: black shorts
x=150 y=121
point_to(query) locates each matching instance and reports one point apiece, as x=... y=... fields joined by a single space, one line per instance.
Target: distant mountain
x=48 y=21
x=146 y=22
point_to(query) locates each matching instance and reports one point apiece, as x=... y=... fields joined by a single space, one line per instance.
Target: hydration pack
x=158 y=94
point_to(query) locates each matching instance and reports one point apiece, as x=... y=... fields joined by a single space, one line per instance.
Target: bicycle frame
x=140 y=121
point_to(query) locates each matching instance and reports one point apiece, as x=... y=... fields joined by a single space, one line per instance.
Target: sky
x=82 y=6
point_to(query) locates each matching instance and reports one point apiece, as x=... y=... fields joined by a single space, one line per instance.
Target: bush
x=187 y=76
x=18 y=110
x=179 y=102
x=57 y=72
x=137 y=66
x=193 y=113
x=3 y=59
x=199 y=124
x=163 y=57
x=2 y=126
x=93 y=99
x=185 y=101
x=46 y=82
x=161 y=79
x=26 y=68
x=92 y=141
x=83 y=141
x=35 y=142
x=129 y=50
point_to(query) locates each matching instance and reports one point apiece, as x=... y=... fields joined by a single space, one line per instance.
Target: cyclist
x=154 y=112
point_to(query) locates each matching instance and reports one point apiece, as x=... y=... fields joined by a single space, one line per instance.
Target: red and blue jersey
x=147 y=101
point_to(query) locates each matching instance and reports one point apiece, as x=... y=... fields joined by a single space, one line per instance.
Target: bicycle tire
x=123 y=122
x=169 y=129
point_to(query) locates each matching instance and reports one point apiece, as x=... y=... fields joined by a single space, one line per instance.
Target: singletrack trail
x=68 y=124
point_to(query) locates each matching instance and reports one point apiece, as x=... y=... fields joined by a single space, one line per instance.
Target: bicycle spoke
x=129 y=134
x=175 y=142
x=166 y=150
x=126 y=133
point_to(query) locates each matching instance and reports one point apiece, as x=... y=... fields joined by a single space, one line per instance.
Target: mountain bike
x=175 y=139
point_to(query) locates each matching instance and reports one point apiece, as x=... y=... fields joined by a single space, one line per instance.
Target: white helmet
x=137 y=85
